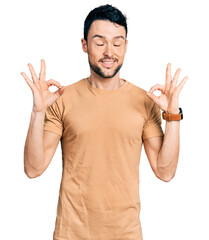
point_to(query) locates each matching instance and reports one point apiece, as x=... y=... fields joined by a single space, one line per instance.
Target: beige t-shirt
x=101 y=138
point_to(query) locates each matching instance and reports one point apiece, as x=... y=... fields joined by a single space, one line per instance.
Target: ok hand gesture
x=42 y=97
x=168 y=101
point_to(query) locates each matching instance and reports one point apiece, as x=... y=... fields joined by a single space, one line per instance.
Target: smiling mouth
x=108 y=63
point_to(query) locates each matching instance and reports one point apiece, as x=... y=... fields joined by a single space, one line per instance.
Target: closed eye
x=103 y=45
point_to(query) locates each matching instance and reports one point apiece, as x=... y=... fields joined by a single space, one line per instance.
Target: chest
x=104 y=116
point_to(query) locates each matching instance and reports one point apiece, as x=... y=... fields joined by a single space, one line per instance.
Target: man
x=102 y=121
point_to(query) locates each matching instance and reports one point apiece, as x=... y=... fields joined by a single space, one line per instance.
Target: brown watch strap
x=173 y=117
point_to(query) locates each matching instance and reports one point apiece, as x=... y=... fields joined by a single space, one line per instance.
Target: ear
x=84 y=45
x=126 y=45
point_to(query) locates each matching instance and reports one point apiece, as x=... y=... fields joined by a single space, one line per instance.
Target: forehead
x=107 y=29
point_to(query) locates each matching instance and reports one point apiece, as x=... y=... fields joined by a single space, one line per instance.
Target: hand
x=168 y=101
x=42 y=97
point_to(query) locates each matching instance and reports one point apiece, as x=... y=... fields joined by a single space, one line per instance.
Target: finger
x=152 y=96
x=33 y=73
x=175 y=78
x=168 y=77
x=181 y=84
x=42 y=75
x=27 y=79
x=59 y=92
x=157 y=87
x=53 y=82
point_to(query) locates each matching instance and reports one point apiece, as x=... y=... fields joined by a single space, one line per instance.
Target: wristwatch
x=173 y=117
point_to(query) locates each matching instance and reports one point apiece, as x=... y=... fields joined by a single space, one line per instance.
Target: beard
x=99 y=71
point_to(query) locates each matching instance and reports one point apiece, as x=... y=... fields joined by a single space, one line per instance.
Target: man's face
x=106 y=47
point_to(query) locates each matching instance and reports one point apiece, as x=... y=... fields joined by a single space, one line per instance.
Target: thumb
x=152 y=96
x=59 y=92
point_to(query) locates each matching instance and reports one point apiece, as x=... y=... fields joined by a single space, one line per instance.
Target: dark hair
x=105 y=12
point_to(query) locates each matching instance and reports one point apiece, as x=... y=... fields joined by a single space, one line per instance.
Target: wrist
x=173 y=110
x=35 y=111
x=173 y=116
x=176 y=111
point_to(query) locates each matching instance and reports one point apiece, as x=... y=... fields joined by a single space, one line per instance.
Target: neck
x=106 y=83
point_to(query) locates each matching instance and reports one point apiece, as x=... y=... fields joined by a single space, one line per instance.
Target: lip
x=107 y=63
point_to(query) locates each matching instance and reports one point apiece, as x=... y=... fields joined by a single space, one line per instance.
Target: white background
x=158 y=32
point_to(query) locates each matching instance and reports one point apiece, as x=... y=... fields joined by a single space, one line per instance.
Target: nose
x=108 y=51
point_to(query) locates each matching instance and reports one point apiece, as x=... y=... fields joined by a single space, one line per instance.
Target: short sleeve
x=152 y=126
x=53 y=118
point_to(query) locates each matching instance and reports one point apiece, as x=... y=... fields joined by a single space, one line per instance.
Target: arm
x=40 y=145
x=163 y=153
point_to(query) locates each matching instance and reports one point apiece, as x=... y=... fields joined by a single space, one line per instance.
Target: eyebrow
x=100 y=36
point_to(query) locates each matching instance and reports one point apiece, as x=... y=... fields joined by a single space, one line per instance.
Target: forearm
x=168 y=156
x=34 y=150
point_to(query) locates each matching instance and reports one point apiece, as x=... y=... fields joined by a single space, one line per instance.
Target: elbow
x=31 y=171
x=165 y=174
x=31 y=174
x=165 y=177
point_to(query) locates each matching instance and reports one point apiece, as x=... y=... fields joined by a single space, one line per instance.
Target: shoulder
x=73 y=86
x=139 y=93
x=137 y=89
x=71 y=94
x=72 y=89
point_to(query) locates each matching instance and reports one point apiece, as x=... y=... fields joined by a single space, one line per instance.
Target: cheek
x=121 y=54
x=95 y=53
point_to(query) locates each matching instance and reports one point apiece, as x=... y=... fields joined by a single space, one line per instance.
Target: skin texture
x=163 y=153
x=109 y=44
x=40 y=145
